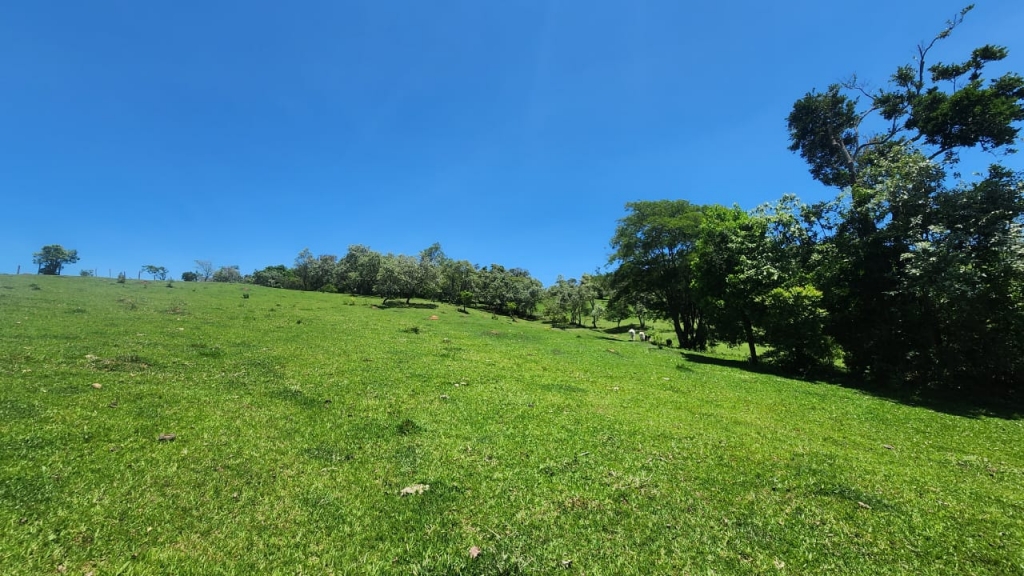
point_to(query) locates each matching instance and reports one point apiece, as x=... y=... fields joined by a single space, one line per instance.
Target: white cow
x=632 y=334
x=643 y=337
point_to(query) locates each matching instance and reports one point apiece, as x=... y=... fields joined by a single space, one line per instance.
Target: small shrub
x=412 y=330
x=329 y=289
x=121 y=278
x=85 y=273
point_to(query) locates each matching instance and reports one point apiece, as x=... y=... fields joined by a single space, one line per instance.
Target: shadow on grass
x=956 y=403
x=622 y=329
x=400 y=304
x=566 y=325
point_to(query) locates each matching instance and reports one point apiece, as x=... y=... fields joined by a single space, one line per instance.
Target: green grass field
x=300 y=417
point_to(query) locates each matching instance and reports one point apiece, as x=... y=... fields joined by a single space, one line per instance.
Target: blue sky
x=510 y=132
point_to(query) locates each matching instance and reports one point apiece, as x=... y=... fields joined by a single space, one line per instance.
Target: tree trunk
x=748 y=328
x=689 y=332
x=680 y=334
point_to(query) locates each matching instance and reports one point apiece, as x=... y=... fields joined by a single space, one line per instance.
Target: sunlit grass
x=299 y=418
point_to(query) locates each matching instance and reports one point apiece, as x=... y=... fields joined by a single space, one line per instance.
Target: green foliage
x=965 y=272
x=456 y=277
x=654 y=247
x=227 y=274
x=86 y=273
x=732 y=271
x=794 y=324
x=189 y=277
x=465 y=299
x=328 y=288
x=826 y=128
x=157 y=272
x=497 y=286
x=617 y=310
x=396 y=277
x=823 y=129
x=313 y=273
x=358 y=270
x=569 y=301
x=52 y=258
x=428 y=272
x=121 y=279
x=921 y=280
x=279 y=276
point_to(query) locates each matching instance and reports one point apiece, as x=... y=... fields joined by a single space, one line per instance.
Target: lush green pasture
x=300 y=417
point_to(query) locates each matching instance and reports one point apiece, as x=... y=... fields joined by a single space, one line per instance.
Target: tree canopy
x=52 y=258
x=920 y=272
x=654 y=248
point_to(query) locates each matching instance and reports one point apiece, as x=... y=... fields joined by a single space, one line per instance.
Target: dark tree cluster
x=912 y=275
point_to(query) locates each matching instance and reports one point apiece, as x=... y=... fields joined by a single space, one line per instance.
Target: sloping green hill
x=298 y=419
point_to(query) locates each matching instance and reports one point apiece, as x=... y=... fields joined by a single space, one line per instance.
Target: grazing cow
x=643 y=337
x=632 y=334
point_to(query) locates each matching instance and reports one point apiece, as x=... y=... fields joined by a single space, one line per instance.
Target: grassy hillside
x=300 y=417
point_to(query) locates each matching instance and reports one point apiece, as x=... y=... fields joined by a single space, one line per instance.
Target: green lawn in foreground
x=299 y=418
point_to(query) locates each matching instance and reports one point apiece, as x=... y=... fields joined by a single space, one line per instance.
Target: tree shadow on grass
x=955 y=403
x=402 y=304
x=566 y=325
x=621 y=329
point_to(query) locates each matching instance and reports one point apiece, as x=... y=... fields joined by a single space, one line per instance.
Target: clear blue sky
x=510 y=132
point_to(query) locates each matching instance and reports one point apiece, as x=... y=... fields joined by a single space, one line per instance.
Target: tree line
x=430 y=275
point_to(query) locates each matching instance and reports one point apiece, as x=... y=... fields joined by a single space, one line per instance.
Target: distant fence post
x=19 y=269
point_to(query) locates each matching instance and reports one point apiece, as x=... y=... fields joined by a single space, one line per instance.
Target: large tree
x=729 y=253
x=456 y=278
x=941 y=109
x=654 y=249
x=508 y=290
x=752 y=280
x=901 y=245
x=227 y=274
x=357 y=271
x=569 y=301
x=397 y=277
x=52 y=258
x=157 y=272
x=204 y=270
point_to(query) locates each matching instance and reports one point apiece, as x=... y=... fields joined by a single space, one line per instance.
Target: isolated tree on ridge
x=52 y=258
